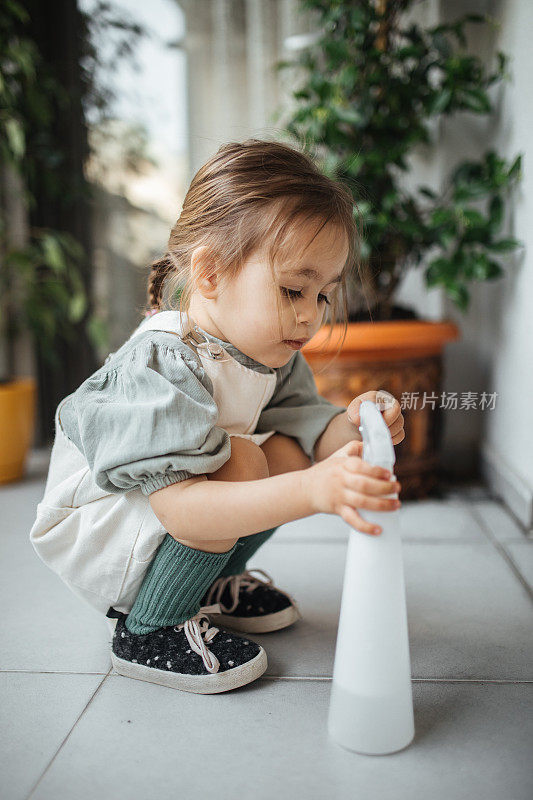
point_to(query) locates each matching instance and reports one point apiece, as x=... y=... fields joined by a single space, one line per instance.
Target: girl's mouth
x=293 y=344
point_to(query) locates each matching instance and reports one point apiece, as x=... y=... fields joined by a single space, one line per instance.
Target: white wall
x=495 y=353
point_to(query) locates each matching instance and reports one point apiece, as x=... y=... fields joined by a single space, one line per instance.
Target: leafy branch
x=369 y=88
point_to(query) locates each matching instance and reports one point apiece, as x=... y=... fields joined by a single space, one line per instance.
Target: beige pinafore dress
x=101 y=543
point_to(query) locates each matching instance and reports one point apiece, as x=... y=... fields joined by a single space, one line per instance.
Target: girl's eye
x=298 y=293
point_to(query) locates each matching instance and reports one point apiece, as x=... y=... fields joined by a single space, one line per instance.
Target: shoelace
x=235 y=582
x=198 y=626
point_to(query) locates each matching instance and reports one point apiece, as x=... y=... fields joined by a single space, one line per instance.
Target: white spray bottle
x=371 y=703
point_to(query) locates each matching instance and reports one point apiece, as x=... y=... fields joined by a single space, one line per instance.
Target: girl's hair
x=253 y=195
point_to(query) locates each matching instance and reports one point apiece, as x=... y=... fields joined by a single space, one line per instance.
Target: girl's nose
x=308 y=313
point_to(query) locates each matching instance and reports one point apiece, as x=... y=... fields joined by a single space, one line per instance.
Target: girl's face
x=244 y=311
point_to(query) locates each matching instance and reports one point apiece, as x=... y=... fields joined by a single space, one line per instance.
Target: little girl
x=181 y=455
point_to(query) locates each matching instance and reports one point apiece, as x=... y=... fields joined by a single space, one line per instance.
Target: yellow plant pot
x=17 y=426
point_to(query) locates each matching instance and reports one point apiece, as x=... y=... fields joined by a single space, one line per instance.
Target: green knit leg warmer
x=176 y=580
x=246 y=547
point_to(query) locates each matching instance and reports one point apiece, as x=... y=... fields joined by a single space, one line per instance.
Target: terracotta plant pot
x=404 y=358
x=17 y=426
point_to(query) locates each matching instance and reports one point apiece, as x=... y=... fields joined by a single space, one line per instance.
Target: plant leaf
x=15 y=137
x=504 y=245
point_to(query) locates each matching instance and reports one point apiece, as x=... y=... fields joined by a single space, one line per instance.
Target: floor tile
x=468 y=615
x=522 y=555
x=471 y=490
x=269 y=739
x=497 y=521
x=438 y=520
x=425 y=520
x=317 y=528
x=36 y=713
x=44 y=626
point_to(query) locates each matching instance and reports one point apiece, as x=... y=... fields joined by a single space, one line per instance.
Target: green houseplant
x=371 y=85
x=41 y=287
x=41 y=280
x=48 y=93
x=45 y=269
x=40 y=284
x=368 y=87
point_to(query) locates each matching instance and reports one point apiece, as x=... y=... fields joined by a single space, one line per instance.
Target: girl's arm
x=197 y=508
x=338 y=432
x=296 y=409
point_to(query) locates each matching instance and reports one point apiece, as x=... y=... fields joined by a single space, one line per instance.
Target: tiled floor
x=72 y=729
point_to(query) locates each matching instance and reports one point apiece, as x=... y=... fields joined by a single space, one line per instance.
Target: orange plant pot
x=404 y=358
x=17 y=426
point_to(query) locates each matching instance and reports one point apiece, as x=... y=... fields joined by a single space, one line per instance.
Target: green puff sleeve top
x=296 y=409
x=147 y=417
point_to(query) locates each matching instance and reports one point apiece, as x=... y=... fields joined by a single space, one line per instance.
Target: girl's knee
x=209 y=546
x=246 y=463
x=284 y=454
x=249 y=460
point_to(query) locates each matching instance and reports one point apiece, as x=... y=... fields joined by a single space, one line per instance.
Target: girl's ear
x=203 y=274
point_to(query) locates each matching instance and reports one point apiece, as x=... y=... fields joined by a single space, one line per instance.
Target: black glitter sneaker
x=251 y=605
x=177 y=655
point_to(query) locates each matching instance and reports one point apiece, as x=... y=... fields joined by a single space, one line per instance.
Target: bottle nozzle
x=377 y=442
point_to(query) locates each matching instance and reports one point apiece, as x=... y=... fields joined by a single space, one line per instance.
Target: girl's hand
x=391 y=414
x=343 y=481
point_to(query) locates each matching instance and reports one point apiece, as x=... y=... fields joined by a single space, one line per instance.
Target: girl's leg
x=180 y=573
x=282 y=454
x=183 y=570
x=174 y=585
x=245 y=549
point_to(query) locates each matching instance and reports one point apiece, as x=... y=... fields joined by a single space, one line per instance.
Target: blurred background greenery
x=109 y=108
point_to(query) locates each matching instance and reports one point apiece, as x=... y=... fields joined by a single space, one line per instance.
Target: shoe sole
x=200 y=684
x=270 y=622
